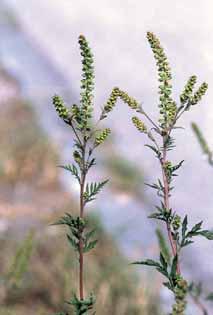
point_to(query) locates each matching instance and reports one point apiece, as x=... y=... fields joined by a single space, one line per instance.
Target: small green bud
x=168 y=165
x=77 y=157
x=139 y=124
x=102 y=136
x=176 y=223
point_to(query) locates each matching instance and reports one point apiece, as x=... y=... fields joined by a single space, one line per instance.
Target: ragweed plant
x=86 y=140
x=160 y=135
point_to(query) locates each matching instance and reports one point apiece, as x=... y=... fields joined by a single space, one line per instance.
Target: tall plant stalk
x=86 y=140
x=160 y=135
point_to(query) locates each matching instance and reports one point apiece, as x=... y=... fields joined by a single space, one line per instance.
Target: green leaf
x=92 y=190
x=207 y=234
x=90 y=245
x=90 y=234
x=168 y=285
x=174 y=267
x=163 y=245
x=184 y=226
x=162 y=271
x=147 y=262
x=74 y=243
x=154 y=149
x=154 y=186
x=91 y=163
x=163 y=261
x=72 y=169
x=176 y=167
x=186 y=243
x=195 y=230
x=197 y=227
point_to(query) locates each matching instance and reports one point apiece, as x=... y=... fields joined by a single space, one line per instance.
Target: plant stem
x=166 y=201
x=150 y=120
x=81 y=255
x=75 y=132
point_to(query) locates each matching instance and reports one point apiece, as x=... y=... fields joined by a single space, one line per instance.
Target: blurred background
x=39 y=57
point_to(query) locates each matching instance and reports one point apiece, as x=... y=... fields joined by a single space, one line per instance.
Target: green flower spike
x=116 y=92
x=111 y=101
x=60 y=108
x=188 y=89
x=130 y=101
x=139 y=124
x=168 y=107
x=87 y=82
x=199 y=94
x=102 y=136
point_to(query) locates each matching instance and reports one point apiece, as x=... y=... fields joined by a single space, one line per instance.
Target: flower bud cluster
x=111 y=101
x=130 y=101
x=188 y=89
x=180 y=291
x=102 y=136
x=60 y=108
x=87 y=83
x=168 y=169
x=77 y=157
x=115 y=94
x=176 y=222
x=199 y=94
x=168 y=107
x=139 y=124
